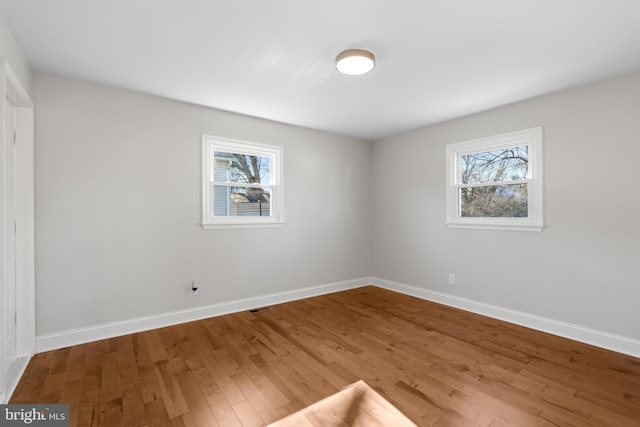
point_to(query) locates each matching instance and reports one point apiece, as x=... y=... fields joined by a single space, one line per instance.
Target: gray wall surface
x=10 y=51
x=118 y=208
x=583 y=268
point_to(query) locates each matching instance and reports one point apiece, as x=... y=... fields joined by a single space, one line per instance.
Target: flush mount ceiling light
x=355 y=61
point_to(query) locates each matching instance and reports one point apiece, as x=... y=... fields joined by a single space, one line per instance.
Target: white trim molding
x=17 y=370
x=532 y=180
x=139 y=324
x=579 y=333
x=594 y=337
x=212 y=183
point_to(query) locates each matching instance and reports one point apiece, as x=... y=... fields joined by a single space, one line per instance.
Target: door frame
x=12 y=89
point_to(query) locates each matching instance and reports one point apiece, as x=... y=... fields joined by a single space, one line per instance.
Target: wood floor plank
x=72 y=395
x=149 y=382
x=197 y=403
x=267 y=412
x=222 y=410
x=174 y=400
x=111 y=388
x=154 y=344
x=247 y=414
x=156 y=413
x=112 y=414
x=215 y=398
x=230 y=390
x=89 y=407
x=133 y=409
x=438 y=365
x=129 y=374
x=265 y=385
x=282 y=382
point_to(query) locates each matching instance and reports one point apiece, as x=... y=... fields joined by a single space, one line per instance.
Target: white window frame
x=533 y=139
x=274 y=153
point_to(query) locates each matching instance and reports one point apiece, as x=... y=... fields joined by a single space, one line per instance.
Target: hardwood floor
x=438 y=365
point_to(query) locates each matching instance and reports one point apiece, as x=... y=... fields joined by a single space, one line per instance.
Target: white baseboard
x=130 y=326
x=597 y=338
x=594 y=337
x=13 y=377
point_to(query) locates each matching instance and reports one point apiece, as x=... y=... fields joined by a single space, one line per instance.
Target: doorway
x=17 y=299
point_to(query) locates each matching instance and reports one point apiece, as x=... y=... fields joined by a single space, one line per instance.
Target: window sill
x=211 y=226
x=494 y=226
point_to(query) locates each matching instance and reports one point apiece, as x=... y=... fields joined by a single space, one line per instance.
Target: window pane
x=509 y=164
x=241 y=201
x=240 y=168
x=496 y=201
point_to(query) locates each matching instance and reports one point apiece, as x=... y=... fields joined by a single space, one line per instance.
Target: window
x=496 y=182
x=242 y=184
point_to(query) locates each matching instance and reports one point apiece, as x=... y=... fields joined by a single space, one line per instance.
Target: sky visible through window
x=509 y=164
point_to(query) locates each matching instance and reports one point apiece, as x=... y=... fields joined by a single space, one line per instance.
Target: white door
x=9 y=242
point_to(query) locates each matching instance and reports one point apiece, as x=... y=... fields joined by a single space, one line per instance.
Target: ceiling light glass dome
x=355 y=61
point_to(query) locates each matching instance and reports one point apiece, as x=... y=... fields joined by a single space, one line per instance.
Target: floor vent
x=259 y=310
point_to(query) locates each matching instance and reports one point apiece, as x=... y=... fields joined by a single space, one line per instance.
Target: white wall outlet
x=452 y=279
x=193 y=288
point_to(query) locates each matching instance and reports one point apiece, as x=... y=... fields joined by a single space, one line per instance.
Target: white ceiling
x=436 y=59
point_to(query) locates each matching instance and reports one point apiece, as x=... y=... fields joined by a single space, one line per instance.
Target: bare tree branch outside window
x=250 y=170
x=241 y=180
x=492 y=183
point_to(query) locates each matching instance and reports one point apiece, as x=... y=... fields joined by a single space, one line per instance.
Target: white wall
x=10 y=51
x=118 y=205
x=582 y=269
x=118 y=208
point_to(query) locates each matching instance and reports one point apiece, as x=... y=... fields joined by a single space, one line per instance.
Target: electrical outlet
x=193 y=288
x=452 y=279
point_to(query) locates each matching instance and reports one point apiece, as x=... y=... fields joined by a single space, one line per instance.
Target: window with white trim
x=496 y=182
x=241 y=184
